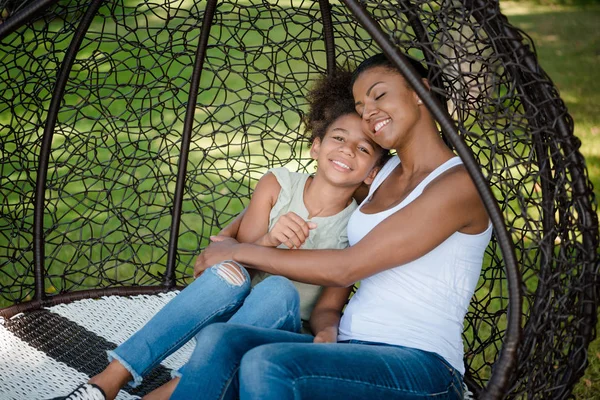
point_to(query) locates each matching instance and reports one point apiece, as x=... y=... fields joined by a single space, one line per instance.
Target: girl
x=417 y=245
x=277 y=216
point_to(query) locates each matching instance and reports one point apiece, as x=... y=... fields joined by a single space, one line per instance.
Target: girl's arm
x=447 y=205
x=231 y=230
x=325 y=317
x=252 y=223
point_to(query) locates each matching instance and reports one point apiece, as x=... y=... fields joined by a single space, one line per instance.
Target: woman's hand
x=219 y=250
x=327 y=335
x=290 y=229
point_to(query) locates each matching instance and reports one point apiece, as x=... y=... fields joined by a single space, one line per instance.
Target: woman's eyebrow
x=372 y=86
x=368 y=91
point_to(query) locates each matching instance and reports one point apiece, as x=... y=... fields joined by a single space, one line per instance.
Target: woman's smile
x=381 y=124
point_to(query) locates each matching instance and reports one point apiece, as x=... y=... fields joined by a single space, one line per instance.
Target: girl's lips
x=340 y=165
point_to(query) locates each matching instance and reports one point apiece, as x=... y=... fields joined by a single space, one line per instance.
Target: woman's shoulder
x=454 y=181
x=455 y=189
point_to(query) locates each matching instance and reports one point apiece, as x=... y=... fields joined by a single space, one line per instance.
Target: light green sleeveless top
x=330 y=232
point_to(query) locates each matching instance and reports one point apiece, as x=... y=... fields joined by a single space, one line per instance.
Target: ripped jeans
x=222 y=293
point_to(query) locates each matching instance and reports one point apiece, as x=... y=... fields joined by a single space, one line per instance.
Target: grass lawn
x=568 y=46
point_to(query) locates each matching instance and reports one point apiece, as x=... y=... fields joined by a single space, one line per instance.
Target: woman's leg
x=211 y=371
x=213 y=297
x=345 y=371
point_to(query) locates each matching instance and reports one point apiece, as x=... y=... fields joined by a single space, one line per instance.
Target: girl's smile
x=346 y=155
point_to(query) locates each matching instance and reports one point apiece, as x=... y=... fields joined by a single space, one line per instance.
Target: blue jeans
x=272 y=364
x=273 y=303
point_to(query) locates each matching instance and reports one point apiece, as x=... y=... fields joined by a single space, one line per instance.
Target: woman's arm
x=325 y=317
x=447 y=205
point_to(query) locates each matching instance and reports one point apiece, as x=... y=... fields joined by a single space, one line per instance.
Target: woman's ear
x=315 y=147
x=372 y=174
x=426 y=83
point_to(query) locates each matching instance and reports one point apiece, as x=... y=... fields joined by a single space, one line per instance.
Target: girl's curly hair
x=329 y=99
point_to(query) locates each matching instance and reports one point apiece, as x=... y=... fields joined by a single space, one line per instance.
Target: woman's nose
x=368 y=111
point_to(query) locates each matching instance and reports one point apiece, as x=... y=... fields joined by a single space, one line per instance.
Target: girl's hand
x=327 y=335
x=218 y=251
x=290 y=230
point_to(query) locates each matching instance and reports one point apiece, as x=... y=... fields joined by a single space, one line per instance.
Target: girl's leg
x=213 y=297
x=345 y=371
x=211 y=371
x=273 y=303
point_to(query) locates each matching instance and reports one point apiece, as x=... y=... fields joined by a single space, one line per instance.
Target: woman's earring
x=419 y=102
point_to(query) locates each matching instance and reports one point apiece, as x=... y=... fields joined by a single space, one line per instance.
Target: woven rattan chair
x=131 y=130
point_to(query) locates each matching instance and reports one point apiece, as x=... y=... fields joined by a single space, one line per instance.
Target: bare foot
x=164 y=392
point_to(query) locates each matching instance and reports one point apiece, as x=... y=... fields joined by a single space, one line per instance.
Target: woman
x=417 y=245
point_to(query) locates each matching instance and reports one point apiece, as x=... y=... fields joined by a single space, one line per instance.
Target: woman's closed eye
x=380 y=96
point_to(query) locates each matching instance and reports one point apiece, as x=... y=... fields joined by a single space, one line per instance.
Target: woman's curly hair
x=329 y=99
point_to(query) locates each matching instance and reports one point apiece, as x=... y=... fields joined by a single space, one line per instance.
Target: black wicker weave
x=132 y=130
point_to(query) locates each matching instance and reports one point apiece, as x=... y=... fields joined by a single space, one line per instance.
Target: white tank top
x=420 y=304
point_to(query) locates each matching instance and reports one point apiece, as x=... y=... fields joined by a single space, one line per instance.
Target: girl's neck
x=322 y=199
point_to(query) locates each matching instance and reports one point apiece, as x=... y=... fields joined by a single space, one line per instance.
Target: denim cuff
x=176 y=373
x=137 y=378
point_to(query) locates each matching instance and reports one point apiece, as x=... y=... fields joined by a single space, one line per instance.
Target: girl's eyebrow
x=369 y=91
x=340 y=129
x=371 y=145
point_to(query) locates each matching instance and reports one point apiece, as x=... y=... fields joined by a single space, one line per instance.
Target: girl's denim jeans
x=216 y=296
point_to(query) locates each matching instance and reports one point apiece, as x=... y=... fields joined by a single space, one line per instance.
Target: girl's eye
x=364 y=149
x=338 y=138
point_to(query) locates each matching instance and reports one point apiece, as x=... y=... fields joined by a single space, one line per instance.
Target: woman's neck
x=424 y=150
x=322 y=199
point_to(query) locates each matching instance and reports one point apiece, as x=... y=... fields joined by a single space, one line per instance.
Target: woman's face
x=388 y=107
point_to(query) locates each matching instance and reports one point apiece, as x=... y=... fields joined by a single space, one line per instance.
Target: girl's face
x=345 y=155
x=388 y=107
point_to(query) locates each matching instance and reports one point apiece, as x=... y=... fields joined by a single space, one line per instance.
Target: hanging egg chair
x=130 y=131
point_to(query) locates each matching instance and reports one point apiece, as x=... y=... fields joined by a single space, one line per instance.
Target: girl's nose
x=346 y=148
